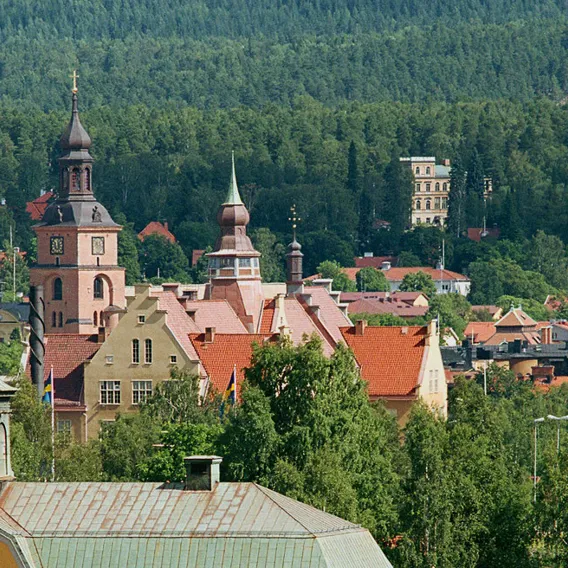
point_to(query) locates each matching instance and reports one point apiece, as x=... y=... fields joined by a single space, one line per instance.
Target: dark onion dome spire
x=294 y=259
x=75 y=136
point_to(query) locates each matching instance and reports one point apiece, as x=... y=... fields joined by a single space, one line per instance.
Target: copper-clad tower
x=234 y=269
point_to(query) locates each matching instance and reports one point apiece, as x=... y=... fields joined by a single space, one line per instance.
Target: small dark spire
x=75 y=136
x=294 y=259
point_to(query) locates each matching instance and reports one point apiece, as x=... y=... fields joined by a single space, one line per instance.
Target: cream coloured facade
x=431 y=190
x=139 y=354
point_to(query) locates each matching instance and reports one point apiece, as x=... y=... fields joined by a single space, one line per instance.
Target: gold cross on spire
x=294 y=219
x=74 y=77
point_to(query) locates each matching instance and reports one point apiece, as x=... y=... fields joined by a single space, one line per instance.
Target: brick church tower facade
x=234 y=268
x=77 y=258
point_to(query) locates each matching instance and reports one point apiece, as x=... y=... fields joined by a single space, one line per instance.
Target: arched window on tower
x=57 y=289
x=87 y=179
x=60 y=319
x=76 y=179
x=65 y=180
x=98 y=291
x=53 y=319
x=95 y=319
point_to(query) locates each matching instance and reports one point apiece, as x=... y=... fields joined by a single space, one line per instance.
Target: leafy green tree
x=548 y=257
x=78 y=462
x=11 y=357
x=128 y=250
x=510 y=223
x=379 y=319
x=406 y=259
x=370 y=279
x=457 y=199
x=160 y=258
x=535 y=309
x=418 y=282
x=272 y=255
x=30 y=434
x=22 y=274
x=453 y=310
x=333 y=270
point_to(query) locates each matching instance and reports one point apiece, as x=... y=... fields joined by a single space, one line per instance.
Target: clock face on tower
x=98 y=245
x=56 y=245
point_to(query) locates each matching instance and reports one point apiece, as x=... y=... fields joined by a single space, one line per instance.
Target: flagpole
x=52 y=425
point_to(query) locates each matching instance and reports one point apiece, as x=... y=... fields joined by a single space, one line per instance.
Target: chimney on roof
x=385 y=265
x=325 y=282
x=446 y=162
x=172 y=287
x=202 y=473
x=546 y=335
x=432 y=333
x=191 y=313
x=368 y=255
x=360 y=327
x=102 y=335
x=166 y=225
x=209 y=334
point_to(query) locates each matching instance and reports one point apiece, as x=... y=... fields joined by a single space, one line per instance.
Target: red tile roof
x=401 y=309
x=492 y=310
x=481 y=331
x=178 y=322
x=196 y=254
x=156 y=228
x=407 y=297
x=215 y=313
x=374 y=261
x=476 y=234
x=330 y=314
x=390 y=358
x=37 y=207
x=66 y=353
x=267 y=317
x=516 y=318
x=226 y=352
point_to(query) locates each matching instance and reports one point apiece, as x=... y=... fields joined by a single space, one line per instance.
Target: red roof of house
x=215 y=313
x=492 y=310
x=37 y=207
x=268 y=312
x=481 y=331
x=223 y=354
x=330 y=314
x=66 y=353
x=397 y=274
x=401 y=309
x=390 y=358
x=407 y=297
x=476 y=234
x=156 y=228
x=374 y=261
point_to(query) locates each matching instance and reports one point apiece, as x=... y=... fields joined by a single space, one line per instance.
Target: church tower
x=77 y=241
x=234 y=269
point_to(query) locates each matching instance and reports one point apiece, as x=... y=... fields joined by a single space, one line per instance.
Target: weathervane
x=294 y=219
x=74 y=77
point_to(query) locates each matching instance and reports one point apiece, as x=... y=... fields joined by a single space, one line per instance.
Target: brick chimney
x=360 y=327
x=102 y=335
x=202 y=473
x=209 y=334
x=546 y=335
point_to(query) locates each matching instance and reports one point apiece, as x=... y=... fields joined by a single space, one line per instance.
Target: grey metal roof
x=148 y=524
x=442 y=171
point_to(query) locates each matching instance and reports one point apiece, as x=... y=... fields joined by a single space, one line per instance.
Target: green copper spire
x=233 y=197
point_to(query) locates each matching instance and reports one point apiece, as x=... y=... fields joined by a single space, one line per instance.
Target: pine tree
x=457 y=198
x=475 y=186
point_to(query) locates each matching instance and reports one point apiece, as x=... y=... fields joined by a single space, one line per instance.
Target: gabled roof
x=478 y=233
x=215 y=313
x=37 y=207
x=515 y=317
x=156 y=228
x=331 y=315
x=374 y=261
x=481 y=331
x=390 y=358
x=492 y=310
x=178 y=322
x=407 y=297
x=225 y=353
x=78 y=525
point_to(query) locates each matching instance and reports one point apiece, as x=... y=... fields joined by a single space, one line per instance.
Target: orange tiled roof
x=532 y=337
x=390 y=358
x=215 y=313
x=516 y=318
x=267 y=317
x=374 y=261
x=179 y=323
x=156 y=228
x=331 y=315
x=480 y=330
x=37 y=207
x=223 y=354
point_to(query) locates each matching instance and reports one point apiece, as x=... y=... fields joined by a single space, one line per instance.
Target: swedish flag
x=48 y=389
x=231 y=391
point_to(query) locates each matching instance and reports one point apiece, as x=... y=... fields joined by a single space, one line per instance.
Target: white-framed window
x=428 y=187
x=417 y=170
x=430 y=381
x=109 y=392
x=245 y=262
x=428 y=171
x=147 y=351
x=63 y=426
x=141 y=390
x=418 y=205
x=136 y=351
x=417 y=187
x=173 y=359
x=141 y=318
x=436 y=380
x=437 y=186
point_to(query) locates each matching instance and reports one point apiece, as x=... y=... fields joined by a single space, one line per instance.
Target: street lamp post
x=558 y=419
x=536 y=421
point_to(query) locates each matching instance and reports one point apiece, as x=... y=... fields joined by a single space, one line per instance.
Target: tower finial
x=294 y=220
x=74 y=77
x=233 y=197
